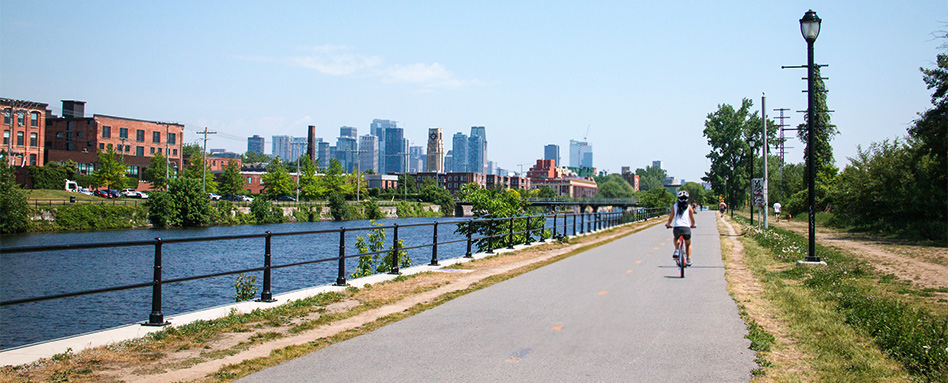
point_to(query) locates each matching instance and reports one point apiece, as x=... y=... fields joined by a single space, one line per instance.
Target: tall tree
x=195 y=171
x=231 y=182
x=156 y=172
x=651 y=177
x=728 y=131
x=823 y=128
x=311 y=187
x=277 y=181
x=111 y=169
x=254 y=157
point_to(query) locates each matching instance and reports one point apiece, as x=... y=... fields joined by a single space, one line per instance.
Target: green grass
x=845 y=311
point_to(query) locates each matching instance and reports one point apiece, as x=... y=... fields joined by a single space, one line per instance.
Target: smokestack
x=311 y=143
x=74 y=109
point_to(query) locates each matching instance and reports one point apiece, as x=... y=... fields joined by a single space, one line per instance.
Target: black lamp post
x=751 y=141
x=810 y=28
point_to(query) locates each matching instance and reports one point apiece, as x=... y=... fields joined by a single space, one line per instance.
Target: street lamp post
x=752 y=141
x=810 y=28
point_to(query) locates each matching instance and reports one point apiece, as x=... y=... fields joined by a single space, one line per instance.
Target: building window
x=128 y=148
x=140 y=135
x=139 y=151
x=19 y=138
x=59 y=134
x=156 y=137
x=32 y=160
x=152 y=150
x=171 y=138
x=106 y=132
x=20 y=116
x=6 y=137
x=6 y=117
x=34 y=119
x=248 y=180
x=33 y=139
x=123 y=133
x=70 y=125
x=174 y=152
x=101 y=146
x=79 y=134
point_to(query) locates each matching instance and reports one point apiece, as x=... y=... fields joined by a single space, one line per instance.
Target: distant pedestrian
x=777 y=207
x=722 y=207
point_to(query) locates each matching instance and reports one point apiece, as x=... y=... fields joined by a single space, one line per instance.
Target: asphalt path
x=616 y=313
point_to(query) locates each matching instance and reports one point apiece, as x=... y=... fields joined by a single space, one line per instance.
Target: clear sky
x=642 y=76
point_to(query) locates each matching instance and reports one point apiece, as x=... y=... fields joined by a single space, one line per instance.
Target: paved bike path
x=616 y=313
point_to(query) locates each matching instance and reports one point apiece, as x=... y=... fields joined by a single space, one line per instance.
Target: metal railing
x=581 y=224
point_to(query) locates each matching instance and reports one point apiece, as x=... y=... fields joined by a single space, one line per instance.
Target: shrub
x=338 y=208
x=14 y=209
x=264 y=212
x=161 y=209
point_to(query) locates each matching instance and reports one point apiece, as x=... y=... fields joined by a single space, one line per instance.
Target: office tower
x=348 y=131
x=416 y=159
x=369 y=153
x=394 y=150
x=657 y=164
x=282 y=147
x=299 y=145
x=552 y=152
x=580 y=154
x=435 y=160
x=256 y=144
x=323 y=154
x=378 y=128
x=459 y=147
x=626 y=170
x=449 y=161
x=477 y=150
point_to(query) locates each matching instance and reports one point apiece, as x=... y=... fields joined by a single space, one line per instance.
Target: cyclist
x=683 y=223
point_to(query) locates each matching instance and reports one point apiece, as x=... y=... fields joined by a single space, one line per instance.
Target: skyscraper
x=552 y=152
x=378 y=128
x=580 y=154
x=369 y=153
x=282 y=147
x=394 y=147
x=416 y=160
x=323 y=154
x=435 y=160
x=256 y=144
x=299 y=146
x=459 y=147
x=657 y=164
x=477 y=150
x=348 y=131
x=347 y=147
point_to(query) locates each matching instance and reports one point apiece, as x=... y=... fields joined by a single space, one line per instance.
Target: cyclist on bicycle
x=683 y=223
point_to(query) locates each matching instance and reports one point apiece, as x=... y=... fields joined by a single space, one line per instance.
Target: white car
x=85 y=191
x=142 y=195
x=130 y=193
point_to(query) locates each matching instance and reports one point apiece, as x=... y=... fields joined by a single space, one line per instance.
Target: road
x=615 y=313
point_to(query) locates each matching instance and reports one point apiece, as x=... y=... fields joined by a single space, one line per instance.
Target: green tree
x=231 y=181
x=651 y=178
x=655 y=198
x=613 y=186
x=277 y=180
x=53 y=175
x=156 y=172
x=695 y=191
x=264 y=211
x=546 y=192
x=254 y=158
x=431 y=192
x=111 y=169
x=14 y=208
x=311 y=186
x=161 y=210
x=492 y=203
x=334 y=180
x=823 y=128
x=196 y=171
x=191 y=204
x=338 y=208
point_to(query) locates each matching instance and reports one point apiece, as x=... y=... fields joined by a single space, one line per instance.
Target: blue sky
x=641 y=75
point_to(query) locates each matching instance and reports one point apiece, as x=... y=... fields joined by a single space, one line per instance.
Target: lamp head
x=810 y=26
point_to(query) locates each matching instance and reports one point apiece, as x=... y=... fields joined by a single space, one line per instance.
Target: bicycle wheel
x=682 y=263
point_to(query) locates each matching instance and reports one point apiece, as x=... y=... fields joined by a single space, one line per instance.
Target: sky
x=636 y=79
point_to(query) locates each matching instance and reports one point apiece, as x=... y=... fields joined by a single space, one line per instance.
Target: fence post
x=156 y=318
x=565 y=225
x=470 y=224
x=434 y=247
x=490 y=236
x=266 y=295
x=529 y=225
x=341 y=277
x=510 y=240
x=574 y=223
x=395 y=257
x=555 y=234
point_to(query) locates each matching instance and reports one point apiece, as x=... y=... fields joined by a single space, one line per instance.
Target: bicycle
x=681 y=259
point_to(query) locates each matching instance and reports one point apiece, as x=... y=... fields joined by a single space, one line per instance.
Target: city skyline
x=532 y=73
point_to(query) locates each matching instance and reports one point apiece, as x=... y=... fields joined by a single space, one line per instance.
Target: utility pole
x=783 y=148
x=405 y=154
x=204 y=159
x=766 y=207
x=358 y=171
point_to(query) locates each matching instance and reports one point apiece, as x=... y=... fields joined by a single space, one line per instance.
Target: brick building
x=78 y=138
x=571 y=187
x=452 y=181
x=24 y=124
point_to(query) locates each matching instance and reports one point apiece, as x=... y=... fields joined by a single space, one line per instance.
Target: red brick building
x=452 y=181
x=24 y=124
x=78 y=138
x=572 y=187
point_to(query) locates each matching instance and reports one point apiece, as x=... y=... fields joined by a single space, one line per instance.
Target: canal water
x=44 y=273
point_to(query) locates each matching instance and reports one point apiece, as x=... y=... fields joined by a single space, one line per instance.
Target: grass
x=854 y=323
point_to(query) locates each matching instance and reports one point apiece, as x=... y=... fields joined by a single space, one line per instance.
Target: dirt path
x=925 y=266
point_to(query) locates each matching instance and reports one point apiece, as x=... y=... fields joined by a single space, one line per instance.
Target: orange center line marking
x=638 y=262
x=558 y=327
x=628 y=271
x=603 y=292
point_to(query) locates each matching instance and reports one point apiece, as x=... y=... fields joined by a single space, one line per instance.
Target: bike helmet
x=683 y=195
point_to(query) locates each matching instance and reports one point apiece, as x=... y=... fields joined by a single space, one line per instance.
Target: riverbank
x=237 y=344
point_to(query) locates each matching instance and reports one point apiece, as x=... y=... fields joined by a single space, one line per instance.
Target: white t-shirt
x=683 y=220
x=777 y=207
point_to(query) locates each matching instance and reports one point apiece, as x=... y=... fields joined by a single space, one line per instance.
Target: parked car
x=286 y=198
x=237 y=198
x=130 y=193
x=113 y=193
x=213 y=197
x=85 y=191
x=142 y=195
x=101 y=193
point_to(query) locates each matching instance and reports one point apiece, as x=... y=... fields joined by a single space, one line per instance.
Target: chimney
x=74 y=109
x=311 y=143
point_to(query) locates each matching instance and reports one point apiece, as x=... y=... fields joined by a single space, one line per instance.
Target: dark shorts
x=684 y=232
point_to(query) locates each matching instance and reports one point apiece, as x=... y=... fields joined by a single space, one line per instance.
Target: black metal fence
x=581 y=224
